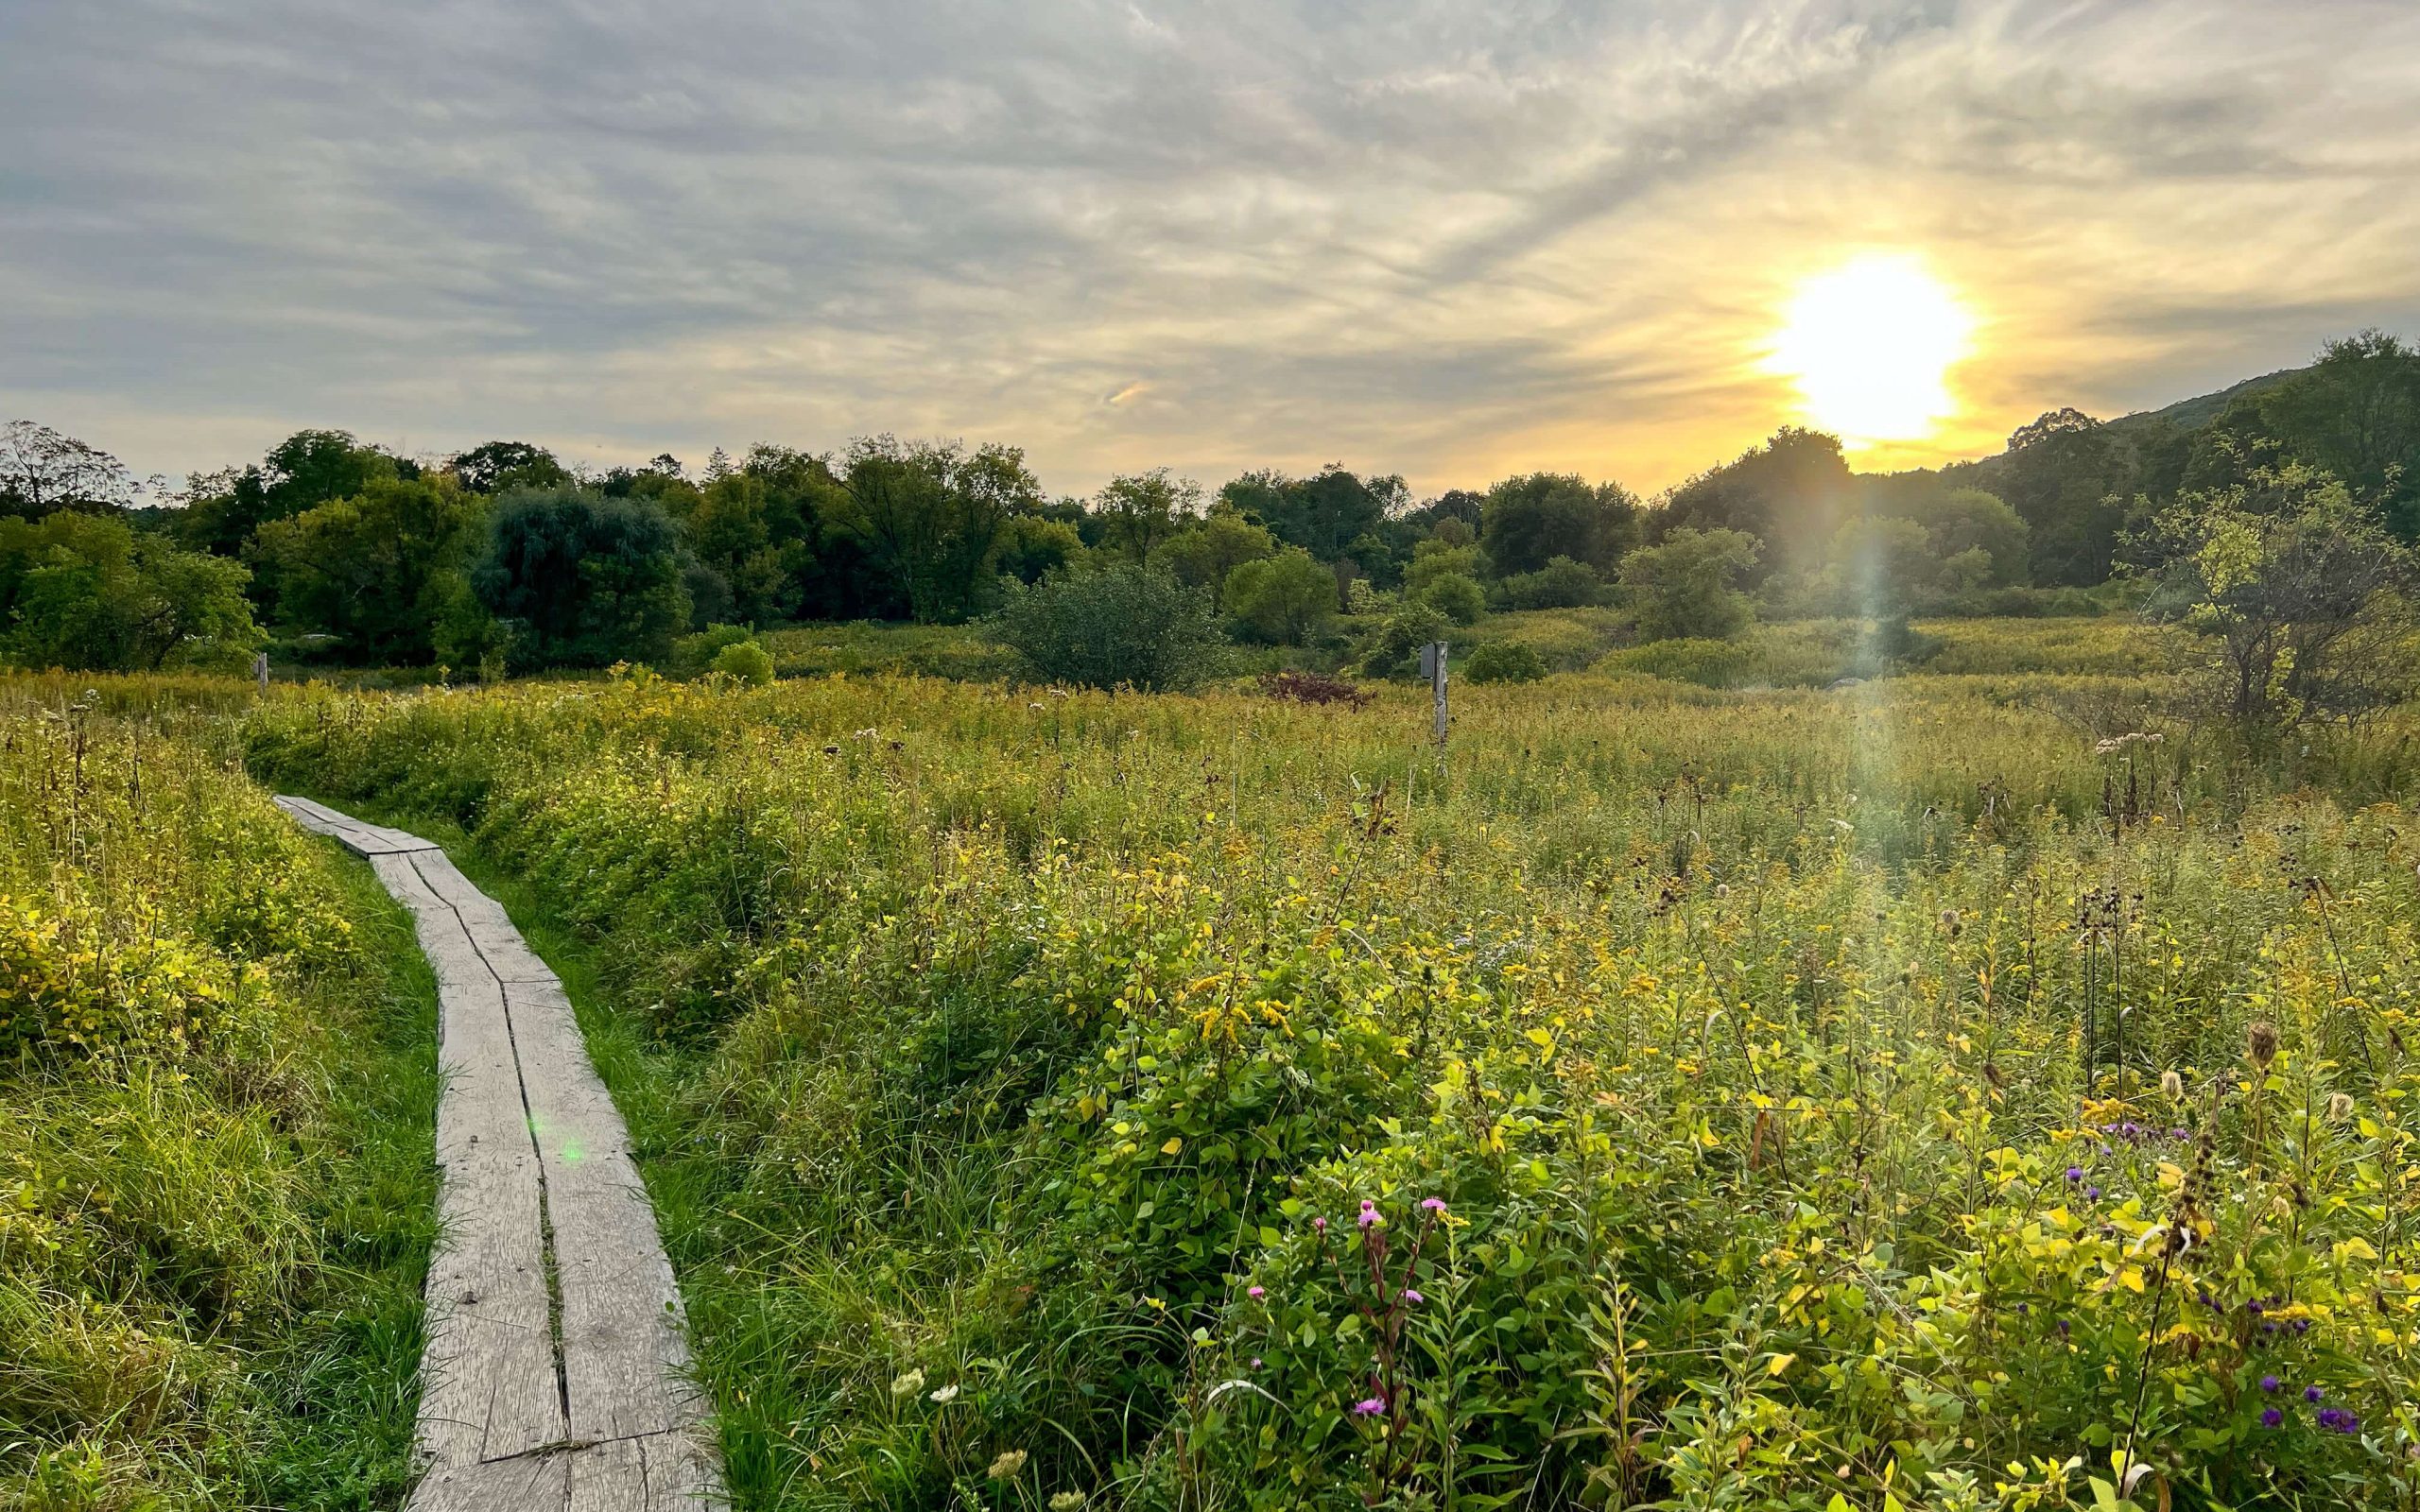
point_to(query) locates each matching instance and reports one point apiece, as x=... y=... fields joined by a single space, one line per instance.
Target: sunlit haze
x=1438 y=239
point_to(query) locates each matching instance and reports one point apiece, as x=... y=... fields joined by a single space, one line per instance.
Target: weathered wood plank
x=657 y=1472
x=534 y=1483
x=626 y=1358
x=530 y=1144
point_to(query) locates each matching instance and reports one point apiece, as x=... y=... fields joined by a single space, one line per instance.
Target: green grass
x=215 y=1127
x=997 y=1046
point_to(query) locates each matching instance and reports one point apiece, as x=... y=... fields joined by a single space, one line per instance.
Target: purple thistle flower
x=1369 y=1407
x=2268 y=1383
x=1255 y=1293
x=1256 y=1362
x=2302 y=1325
x=2254 y=1308
x=2272 y=1417
x=2062 y=1328
x=1433 y=1204
x=2313 y=1393
x=1370 y=1218
x=1412 y=1296
x=1320 y=1224
x=2075 y=1174
x=2092 y=1193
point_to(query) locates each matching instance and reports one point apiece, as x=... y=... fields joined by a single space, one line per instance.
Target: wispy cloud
x=1431 y=238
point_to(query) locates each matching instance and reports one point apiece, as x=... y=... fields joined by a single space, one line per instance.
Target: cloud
x=1427 y=237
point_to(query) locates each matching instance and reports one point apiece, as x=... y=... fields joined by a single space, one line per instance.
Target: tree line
x=502 y=557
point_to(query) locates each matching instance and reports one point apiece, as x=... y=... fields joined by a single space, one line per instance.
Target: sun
x=1870 y=345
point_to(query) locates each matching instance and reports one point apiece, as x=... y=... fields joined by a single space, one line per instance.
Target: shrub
x=1455 y=596
x=1505 y=662
x=1393 y=649
x=694 y=654
x=1562 y=583
x=1124 y=625
x=1681 y=589
x=747 y=661
x=1311 y=687
x=88 y=593
x=1282 y=599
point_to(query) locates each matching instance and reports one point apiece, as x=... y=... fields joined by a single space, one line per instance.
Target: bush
x=746 y=660
x=1122 y=627
x=1311 y=687
x=1562 y=583
x=694 y=654
x=1393 y=649
x=88 y=593
x=1282 y=599
x=1505 y=662
x=1682 y=589
x=1455 y=596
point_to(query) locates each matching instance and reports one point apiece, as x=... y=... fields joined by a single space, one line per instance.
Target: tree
x=1032 y=548
x=1790 y=493
x=1457 y=597
x=2355 y=414
x=581 y=579
x=88 y=593
x=374 y=570
x=42 y=470
x=930 y=515
x=1884 y=568
x=1204 y=554
x=1681 y=588
x=1324 y=514
x=2068 y=480
x=1282 y=598
x=1562 y=583
x=223 y=510
x=1434 y=559
x=495 y=466
x=1530 y=521
x=1125 y=626
x=1141 y=510
x=2290 y=599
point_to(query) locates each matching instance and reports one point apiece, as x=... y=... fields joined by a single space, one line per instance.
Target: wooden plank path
x=557 y=1374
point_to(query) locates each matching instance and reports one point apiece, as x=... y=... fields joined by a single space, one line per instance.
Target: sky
x=1453 y=241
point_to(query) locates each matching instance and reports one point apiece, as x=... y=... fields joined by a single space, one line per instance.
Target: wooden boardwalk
x=556 y=1376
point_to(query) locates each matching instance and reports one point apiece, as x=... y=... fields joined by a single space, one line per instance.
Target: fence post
x=260 y=669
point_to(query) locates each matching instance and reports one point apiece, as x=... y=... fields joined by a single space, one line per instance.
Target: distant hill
x=2193 y=414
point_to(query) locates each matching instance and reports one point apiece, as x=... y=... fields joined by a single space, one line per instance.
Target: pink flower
x=1370 y=1218
x=1433 y=1204
x=1320 y=1224
x=1369 y=1407
x=1412 y=1296
x=1255 y=1293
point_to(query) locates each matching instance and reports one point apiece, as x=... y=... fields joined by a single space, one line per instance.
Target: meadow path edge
x=556 y=1373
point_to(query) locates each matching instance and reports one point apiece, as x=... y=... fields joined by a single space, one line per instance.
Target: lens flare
x=1870 y=345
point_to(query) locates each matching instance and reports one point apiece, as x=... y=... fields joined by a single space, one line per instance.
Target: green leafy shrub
x=1562 y=583
x=1124 y=625
x=745 y=661
x=1457 y=597
x=1504 y=661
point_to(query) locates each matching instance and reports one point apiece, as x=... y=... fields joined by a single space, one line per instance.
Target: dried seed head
x=2339 y=1106
x=1722 y=889
x=2172 y=1084
x=2260 y=1042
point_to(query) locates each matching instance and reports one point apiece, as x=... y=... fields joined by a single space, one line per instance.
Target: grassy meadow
x=216 y=1079
x=1958 y=1091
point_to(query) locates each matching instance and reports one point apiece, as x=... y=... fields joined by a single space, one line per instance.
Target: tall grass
x=216 y=1084
x=1895 y=1094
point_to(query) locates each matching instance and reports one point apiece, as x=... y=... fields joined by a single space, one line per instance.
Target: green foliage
x=1680 y=588
x=1457 y=597
x=377 y=571
x=1008 y=1055
x=582 y=580
x=87 y=592
x=43 y=472
x=1531 y=520
x=1324 y=515
x=1434 y=559
x=1032 y=548
x=1505 y=662
x=1140 y=512
x=216 y=1083
x=1562 y=583
x=1282 y=598
x=1791 y=494
x=1124 y=625
x=500 y=467
x=1393 y=650
x=2292 y=599
x=929 y=516
x=745 y=662
x=1206 y=554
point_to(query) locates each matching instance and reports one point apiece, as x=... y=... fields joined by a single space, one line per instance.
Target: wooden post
x=1432 y=662
x=260 y=669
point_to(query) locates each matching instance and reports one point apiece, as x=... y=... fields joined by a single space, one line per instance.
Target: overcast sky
x=1449 y=240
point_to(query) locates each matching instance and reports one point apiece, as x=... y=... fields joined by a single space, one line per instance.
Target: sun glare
x=1870 y=345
